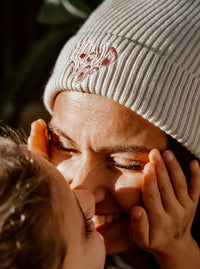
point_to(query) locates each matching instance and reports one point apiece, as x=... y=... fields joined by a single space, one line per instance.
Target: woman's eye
x=88 y=226
x=137 y=166
x=55 y=142
x=59 y=146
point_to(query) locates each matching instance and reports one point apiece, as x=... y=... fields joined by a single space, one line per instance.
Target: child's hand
x=163 y=225
x=38 y=140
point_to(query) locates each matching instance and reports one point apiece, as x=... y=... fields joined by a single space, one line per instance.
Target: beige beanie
x=145 y=54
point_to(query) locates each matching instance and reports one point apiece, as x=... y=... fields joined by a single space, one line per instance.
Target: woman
x=125 y=89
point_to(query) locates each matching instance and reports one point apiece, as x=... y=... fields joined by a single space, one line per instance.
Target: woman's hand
x=163 y=225
x=38 y=141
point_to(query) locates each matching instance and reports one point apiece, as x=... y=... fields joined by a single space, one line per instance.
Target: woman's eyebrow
x=124 y=148
x=109 y=149
x=60 y=133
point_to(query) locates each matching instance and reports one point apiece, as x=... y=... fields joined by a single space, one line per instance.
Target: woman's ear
x=38 y=140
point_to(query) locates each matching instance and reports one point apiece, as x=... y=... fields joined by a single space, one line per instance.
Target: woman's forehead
x=93 y=107
x=97 y=116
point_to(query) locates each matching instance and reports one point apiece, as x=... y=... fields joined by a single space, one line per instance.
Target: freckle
x=177 y=236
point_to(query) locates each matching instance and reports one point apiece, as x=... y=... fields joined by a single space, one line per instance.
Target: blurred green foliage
x=61 y=19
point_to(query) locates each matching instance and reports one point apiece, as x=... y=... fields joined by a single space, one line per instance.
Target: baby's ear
x=38 y=141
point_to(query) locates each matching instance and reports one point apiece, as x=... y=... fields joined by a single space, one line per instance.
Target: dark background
x=32 y=34
x=19 y=32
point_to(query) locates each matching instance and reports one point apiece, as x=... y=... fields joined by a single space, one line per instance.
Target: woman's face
x=102 y=146
x=73 y=211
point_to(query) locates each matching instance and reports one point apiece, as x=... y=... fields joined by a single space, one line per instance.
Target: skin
x=116 y=155
x=71 y=207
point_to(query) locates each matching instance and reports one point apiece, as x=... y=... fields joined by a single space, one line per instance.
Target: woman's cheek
x=66 y=170
x=57 y=157
x=128 y=190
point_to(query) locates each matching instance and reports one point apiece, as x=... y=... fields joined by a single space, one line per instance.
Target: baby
x=43 y=223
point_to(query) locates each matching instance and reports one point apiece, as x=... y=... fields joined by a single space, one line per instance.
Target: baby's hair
x=29 y=237
x=17 y=136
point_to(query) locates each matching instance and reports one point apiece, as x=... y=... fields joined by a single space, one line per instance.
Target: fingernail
x=32 y=125
x=149 y=168
x=158 y=156
x=195 y=164
x=154 y=155
x=168 y=155
x=136 y=214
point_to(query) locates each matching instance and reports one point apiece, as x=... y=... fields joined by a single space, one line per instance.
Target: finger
x=177 y=177
x=139 y=227
x=150 y=193
x=38 y=139
x=194 y=186
x=165 y=187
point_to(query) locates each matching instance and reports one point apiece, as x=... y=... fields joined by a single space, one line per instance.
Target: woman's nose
x=90 y=176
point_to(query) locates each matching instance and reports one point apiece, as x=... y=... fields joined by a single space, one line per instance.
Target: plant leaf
x=77 y=8
x=52 y=12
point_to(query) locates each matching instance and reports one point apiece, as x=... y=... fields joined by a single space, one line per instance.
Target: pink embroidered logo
x=86 y=60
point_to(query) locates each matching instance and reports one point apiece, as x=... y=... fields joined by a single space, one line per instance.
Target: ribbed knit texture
x=153 y=66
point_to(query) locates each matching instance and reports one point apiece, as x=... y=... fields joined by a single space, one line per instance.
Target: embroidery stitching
x=85 y=60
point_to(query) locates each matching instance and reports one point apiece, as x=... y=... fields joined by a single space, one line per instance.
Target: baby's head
x=29 y=236
x=43 y=224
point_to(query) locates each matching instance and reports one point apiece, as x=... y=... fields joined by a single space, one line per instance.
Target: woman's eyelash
x=88 y=226
x=131 y=167
x=56 y=142
x=135 y=167
x=60 y=146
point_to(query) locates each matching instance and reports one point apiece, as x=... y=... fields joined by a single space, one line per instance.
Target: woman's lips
x=108 y=221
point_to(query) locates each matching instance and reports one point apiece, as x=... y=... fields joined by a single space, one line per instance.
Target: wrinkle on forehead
x=103 y=119
x=96 y=106
x=88 y=102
